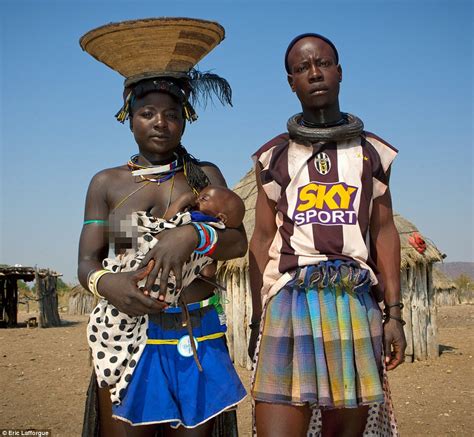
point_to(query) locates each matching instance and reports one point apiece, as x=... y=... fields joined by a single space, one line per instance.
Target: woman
x=167 y=391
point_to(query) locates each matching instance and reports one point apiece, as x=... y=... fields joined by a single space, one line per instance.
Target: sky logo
x=325 y=204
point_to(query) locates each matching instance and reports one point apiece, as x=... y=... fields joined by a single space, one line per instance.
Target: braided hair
x=193 y=172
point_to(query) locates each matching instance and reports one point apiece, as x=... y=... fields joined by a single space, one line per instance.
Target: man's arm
x=385 y=239
x=262 y=238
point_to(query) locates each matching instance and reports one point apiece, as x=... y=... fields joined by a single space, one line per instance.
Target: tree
x=62 y=286
x=464 y=282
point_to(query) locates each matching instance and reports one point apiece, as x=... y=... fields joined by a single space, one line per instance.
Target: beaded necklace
x=166 y=171
x=141 y=170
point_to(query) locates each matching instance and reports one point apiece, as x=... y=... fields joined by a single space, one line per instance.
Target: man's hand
x=394 y=343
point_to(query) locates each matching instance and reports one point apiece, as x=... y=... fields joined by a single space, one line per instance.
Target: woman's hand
x=172 y=250
x=120 y=289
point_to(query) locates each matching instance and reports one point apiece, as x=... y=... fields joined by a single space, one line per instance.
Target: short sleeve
x=383 y=156
x=266 y=156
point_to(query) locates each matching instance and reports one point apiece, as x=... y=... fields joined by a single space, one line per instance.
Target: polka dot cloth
x=116 y=339
x=117 y=342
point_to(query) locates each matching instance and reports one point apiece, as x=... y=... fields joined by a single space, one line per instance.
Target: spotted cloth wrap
x=116 y=339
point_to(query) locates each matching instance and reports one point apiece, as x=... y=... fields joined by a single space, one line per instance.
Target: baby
x=218 y=202
x=218 y=207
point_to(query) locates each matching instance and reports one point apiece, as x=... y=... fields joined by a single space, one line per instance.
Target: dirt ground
x=44 y=375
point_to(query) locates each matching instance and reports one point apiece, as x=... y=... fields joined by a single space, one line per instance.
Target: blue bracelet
x=212 y=240
x=201 y=236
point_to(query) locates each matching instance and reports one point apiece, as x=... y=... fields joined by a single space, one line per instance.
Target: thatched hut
x=445 y=290
x=416 y=283
x=81 y=301
x=45 y=289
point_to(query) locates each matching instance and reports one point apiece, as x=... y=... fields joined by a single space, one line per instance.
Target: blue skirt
x=167 y=386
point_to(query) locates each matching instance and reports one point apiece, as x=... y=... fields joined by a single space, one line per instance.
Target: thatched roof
x=247 y=190
x=409 y=255
x=25 y=273
x=441 y=281
x=78 y=289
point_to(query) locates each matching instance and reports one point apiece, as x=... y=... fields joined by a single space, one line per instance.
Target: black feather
x=205 y=85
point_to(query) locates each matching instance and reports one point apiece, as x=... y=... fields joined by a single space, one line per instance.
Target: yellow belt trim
x=206 y=337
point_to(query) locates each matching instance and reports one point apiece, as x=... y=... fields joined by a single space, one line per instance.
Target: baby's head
x=223 y=204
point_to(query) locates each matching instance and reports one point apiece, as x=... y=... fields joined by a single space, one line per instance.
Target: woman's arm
x=94 y=241
x=262 y=238
x=386 y=241
x=118 y=288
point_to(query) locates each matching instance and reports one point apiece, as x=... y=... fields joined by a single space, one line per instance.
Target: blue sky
x=407 y=69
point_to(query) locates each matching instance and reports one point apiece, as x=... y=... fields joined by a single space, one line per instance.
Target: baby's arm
x=183 y=202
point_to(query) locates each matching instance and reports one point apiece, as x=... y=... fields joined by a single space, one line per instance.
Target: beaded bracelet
x=211 y=249
x=208 y=239
x=205 y=237
x=398 y=319
x=94 y=280
x=393 y=305
x=200 y=234
x=89 y=275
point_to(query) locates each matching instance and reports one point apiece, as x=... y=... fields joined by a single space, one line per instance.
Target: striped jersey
x=324 y=195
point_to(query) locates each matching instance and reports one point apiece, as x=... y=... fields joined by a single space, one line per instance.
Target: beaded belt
x=213 y=300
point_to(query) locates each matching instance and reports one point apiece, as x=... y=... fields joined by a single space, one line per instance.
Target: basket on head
x=139 y=49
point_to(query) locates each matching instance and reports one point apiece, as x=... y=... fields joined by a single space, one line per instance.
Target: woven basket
x=152 y=47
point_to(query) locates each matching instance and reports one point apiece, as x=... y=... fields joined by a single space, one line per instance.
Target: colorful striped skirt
x=321 y=341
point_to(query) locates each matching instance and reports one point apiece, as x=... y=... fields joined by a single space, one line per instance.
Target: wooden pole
x=11 y=303
x=249 y=315
x=47 y=300
x=3 y=297
x=432 y=328
x=229 y=313
x=407 y=293
x=237 y=315
x=42 y=323
x=240 y=340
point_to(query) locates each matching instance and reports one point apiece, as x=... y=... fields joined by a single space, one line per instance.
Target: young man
x=324 y=250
